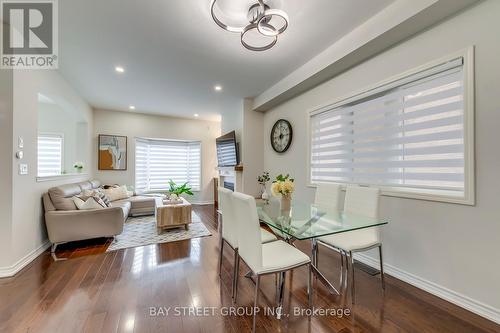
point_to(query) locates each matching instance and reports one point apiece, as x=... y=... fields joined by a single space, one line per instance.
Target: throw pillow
x=116 y=193
x=98 y=193
x=84 y=203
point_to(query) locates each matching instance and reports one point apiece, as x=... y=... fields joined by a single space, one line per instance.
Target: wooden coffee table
x=170 y=215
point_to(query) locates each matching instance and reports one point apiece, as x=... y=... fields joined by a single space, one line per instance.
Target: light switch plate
x=20 y=142
x=23 y=169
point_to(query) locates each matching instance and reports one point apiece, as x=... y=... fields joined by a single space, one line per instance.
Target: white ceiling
x=174 y=53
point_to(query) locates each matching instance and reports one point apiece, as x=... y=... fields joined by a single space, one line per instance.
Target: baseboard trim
x=469 y=304
x=23 y=262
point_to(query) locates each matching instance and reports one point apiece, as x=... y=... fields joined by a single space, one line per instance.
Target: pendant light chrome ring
x=257 y=48
x=266 y=18
x=221 y=24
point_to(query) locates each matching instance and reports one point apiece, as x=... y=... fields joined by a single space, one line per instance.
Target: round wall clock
x=281 y=136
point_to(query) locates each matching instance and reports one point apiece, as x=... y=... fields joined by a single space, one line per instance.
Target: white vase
x=265 y=195
x=286 y=202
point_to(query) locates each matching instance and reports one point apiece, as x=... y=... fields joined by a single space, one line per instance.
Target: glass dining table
x=304 y=221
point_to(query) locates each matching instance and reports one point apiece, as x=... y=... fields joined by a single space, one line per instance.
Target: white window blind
x=158 y=161
x=50 y=151
x=408 y=135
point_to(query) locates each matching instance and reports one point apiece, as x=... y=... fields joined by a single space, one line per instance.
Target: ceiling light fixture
x=131 y=107
x=263 y=20
x=196 y=115
x=119 y=69
x=217 y=88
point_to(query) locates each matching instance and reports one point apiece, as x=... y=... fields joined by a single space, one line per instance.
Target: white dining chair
x=326 y=196
x=229 y=232
x=267 y=258
x=363 y=201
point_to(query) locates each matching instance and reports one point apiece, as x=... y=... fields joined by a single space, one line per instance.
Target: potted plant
x=176 y=191
x=262 y=180
x=283 y=186
x=78 y=167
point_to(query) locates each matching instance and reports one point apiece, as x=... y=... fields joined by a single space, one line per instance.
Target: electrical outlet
x=23 y=169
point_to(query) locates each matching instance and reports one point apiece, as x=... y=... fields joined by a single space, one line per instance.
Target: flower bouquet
x=283 y=186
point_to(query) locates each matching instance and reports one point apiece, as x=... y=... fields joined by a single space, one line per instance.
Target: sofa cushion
x=116 y=193
x=84 y=202
x=124 y=205
x=142 y=202
x=95 y=183
x=85 y=185
x=61 y=196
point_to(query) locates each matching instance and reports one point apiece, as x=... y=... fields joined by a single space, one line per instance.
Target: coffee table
x=173 y=215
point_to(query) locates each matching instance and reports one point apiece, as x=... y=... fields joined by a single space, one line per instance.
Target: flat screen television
x=227 y=150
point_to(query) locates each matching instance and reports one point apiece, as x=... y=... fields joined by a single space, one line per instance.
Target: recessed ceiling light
x=196 y=115
x=119 y=69
x=218 y=88
x=131 y=107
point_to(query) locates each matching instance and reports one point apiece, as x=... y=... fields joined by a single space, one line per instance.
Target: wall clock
x=281 y=136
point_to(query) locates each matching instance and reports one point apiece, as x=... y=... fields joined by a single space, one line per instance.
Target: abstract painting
x=112 y=153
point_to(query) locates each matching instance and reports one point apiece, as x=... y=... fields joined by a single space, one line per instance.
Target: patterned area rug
x=140 y=231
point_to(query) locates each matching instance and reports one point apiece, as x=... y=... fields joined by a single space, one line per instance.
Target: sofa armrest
x=72 y=225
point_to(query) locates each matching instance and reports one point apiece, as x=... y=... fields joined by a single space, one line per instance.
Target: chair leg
x=316 y=256
x=381 y=266
x=256 y=301
x=236 y=277
x=281 y=294
x=221 y=250
x=235 y=272
x=353 y=288
x=341 y=267
x=309 y=287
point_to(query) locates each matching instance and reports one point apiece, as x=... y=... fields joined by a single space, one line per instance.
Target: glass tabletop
x=305 y=221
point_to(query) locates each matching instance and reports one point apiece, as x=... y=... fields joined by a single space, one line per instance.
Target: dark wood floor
x=95 y=291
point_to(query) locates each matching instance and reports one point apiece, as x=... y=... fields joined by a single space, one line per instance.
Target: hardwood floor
x=94 y=291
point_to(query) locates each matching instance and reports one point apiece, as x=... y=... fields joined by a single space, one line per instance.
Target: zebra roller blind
x=50 y=154
x=158 y=161
x=409 y=134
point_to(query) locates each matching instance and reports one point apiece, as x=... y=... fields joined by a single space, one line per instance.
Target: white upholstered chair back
x=229 y=223
x=363 y=201
x=328 y=195
x=249 y=235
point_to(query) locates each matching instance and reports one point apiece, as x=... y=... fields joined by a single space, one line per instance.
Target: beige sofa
x=65 y=223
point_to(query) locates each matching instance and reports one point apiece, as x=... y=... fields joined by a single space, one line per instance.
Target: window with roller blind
x=410 y=136
x=158 y=161
x=50 y=154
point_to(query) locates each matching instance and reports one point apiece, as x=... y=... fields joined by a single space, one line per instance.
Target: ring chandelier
x=259 y=17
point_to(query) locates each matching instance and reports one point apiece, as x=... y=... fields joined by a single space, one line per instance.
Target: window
x=158 y=161
x=50 y=154
x=406 y=136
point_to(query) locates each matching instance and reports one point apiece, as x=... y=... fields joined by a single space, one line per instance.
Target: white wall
x=252 y=148
x=451 y=248
x=232 y=120
x=6 y=78
x=135 y=125
x=28 y=235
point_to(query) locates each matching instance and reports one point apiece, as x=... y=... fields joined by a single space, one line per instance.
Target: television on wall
x=227 y=150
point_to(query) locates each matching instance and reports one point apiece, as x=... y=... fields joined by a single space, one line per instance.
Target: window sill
x=59 y=177
x=419 y=194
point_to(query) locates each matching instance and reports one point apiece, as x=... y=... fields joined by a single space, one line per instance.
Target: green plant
x=264 y=178
x=178 y=190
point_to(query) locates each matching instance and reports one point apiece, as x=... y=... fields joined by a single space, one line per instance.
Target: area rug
x=141 y=231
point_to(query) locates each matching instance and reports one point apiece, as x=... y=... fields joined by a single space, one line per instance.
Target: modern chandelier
x=267 y=22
